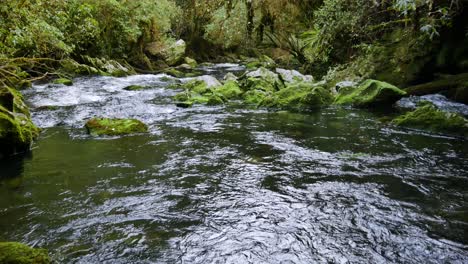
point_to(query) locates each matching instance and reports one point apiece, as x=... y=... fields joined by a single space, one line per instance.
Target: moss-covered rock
x=293 y=76
x=114 y=127
x=17 y=130
x=261 y=61
x=18 y=253
x=191 y=62
x=174 y=73
x=72 y=67
x=108 y=67
x=229 y=90
x=370 y=93
x=261 y=79
x=299 y=96
x=63 y=81
x=255 y=97
x=170 y=50
x=428 y=117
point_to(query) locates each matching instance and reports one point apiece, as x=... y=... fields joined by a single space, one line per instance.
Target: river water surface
x=230 y=184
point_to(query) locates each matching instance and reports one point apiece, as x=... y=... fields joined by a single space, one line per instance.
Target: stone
x=292 y=76
x=63 y=81
x=17 y=131
x=299 y=96
x=428 y=117
x=370 y=93
x=114 y=126
x=18 y=253
x=191 y=62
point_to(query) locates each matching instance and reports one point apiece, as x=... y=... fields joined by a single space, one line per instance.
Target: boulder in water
x=18 y=253
x=370 y=93
x=229 y=90
x=17 y=131
x=427 y=116
x=114 y=127
x=299 y=96
x=261 y=79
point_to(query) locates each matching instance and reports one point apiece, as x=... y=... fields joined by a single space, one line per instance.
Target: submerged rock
x=428 y=117
x=18 y=253
x=17 y=130
x=63 y=81
x=369 y=93
x=114 y=127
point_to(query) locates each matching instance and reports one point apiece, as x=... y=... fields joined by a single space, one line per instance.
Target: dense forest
x=298 y=55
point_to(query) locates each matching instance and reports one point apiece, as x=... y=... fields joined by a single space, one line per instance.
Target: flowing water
x=230 y=184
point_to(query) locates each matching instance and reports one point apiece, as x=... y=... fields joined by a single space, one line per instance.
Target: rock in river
x=114 y=127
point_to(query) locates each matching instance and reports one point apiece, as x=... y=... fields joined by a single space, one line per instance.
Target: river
x=230 y=184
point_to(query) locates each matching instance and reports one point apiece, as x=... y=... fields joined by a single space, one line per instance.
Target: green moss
x=74 y=68
x=18 y=253
x=174 y=73
x=299 y=96
x=189 y=61
x=370 y=93
x=256 y=96
x=114 y=127
x=428 y=117
x=230 y=90
x=215 y=99
x=17 y=130
x=63 y=81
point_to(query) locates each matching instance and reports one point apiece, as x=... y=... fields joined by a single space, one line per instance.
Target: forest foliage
x=319 y=34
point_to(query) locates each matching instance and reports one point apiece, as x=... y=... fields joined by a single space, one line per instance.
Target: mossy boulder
x=18 y=253
x=63 y=81
x=429 y=117
x=191 y=62
x=370 y=93
x=299 y=96
x=114 y=126
x=72 y=67
x=17 y=131
x=293 y=76
x=261 y=79
x=261 y=61
x=174 y=73
x=229 y=90
x=170 y=50
x=108 y=67
x=256 y=97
